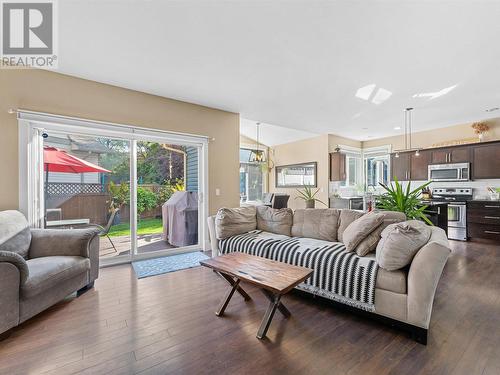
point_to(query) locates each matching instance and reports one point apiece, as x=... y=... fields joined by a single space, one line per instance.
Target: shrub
x=146 y=200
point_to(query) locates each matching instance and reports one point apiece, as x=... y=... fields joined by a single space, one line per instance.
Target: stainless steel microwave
x=449 y=172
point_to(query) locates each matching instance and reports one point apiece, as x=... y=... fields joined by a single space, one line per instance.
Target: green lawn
x=144 y=226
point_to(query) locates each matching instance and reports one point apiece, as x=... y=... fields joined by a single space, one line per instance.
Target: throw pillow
x=360 y=228
x=320 y=224
x=400 y=242
x=232 y=221
x=346 y=218
x=274 y=220
x=369 y=244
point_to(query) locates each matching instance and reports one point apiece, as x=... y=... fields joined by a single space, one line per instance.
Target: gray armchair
x=40 y=267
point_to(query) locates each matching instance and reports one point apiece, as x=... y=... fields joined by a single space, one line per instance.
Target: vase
x=481 y=137
x=310 y=203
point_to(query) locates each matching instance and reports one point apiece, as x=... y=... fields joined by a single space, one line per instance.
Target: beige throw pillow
x=316 y=223
x=274 y=220
x=400 y=242
x=369 y=244
x=232 y=221
x=360 y=228
x=346 y=218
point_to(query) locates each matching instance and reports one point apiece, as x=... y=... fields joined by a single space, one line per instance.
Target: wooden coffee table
x=273 y=278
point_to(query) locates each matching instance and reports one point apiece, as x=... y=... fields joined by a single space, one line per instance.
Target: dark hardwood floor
x=166 y=325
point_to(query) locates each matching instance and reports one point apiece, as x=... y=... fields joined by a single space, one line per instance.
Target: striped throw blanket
x=338 y=275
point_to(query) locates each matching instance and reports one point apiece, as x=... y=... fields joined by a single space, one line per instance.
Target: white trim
x=133 y=199
x=104 y=127
x=124 y=259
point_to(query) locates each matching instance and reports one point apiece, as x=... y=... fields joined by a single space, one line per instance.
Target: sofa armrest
x=423 y=277
x=69 y=242
x=19 y=262
x=9 y=295
x=214 y=242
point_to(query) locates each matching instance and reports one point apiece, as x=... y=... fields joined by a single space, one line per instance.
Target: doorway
x=143 y=190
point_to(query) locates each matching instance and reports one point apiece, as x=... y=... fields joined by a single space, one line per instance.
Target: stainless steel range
x=457 y=209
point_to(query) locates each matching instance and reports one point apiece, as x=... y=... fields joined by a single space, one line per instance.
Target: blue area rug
x=158 y=266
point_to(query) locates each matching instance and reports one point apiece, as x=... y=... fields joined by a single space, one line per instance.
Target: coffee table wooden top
x=268 y=274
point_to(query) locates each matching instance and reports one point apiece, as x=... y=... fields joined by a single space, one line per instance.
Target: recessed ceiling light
x=492 y=109
x=397 y=128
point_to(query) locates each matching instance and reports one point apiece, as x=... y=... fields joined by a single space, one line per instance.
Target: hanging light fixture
x=257 y=155
x=407 y=134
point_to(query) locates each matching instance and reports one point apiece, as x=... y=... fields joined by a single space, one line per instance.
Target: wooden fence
x=92 y=206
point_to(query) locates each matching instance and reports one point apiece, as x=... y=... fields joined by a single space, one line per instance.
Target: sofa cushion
x=369 y=243
x=278 y=221
x=47 y=272
x=360 y=228
x=393 y=281
x=400 y=242
x=254 y=243
x=232 y=221
x=346 y=217
x=320 y=224
x=15 y=234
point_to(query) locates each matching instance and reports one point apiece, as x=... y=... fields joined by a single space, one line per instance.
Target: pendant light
x=407 y=134
x=257 y=156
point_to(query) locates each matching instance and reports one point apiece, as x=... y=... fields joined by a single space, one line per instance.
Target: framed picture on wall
x=296 y=175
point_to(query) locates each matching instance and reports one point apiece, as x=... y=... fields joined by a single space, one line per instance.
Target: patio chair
x=104 y=231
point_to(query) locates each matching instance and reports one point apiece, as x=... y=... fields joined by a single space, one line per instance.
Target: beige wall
x=436 y=136
x=334 y=140
x=307 y=150
x=50 y=92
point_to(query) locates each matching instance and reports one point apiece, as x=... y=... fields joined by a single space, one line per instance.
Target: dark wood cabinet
x=486 y=161
x=419 y=165
x=400 y=166
x=439 y=156
x=483 y=220
x=337 y=166
x=458 y=154
x=409 y=166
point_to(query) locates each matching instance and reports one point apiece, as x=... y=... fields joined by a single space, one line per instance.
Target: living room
x=240 y=187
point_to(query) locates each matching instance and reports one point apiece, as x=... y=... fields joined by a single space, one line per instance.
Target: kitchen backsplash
x=479 y=187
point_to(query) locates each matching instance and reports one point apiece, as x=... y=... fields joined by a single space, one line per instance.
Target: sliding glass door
x=142 y=190
x=87 y=183
x=167 y=196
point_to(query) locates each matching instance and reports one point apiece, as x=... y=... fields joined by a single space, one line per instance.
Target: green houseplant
x=397 y=198
x=309 y=197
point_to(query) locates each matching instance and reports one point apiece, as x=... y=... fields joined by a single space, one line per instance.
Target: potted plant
x=480 y=128
x=397 y=198
x=308 y=196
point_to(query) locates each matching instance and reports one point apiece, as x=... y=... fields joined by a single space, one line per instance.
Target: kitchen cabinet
x=337 y=166
x=483 y=220
x=400 y=166
x=409 y=166
x=419 y=165
x=458 y=154
x=486 y=160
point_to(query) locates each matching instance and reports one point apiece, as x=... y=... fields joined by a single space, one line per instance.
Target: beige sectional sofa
x=403 y=297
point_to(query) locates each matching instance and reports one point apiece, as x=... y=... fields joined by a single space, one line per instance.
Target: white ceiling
x=272 y=135
x=296 y=64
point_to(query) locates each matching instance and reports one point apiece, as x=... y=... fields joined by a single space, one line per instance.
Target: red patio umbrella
x=56 y=160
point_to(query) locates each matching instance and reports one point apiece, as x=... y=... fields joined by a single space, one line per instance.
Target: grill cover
x=180 y=219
